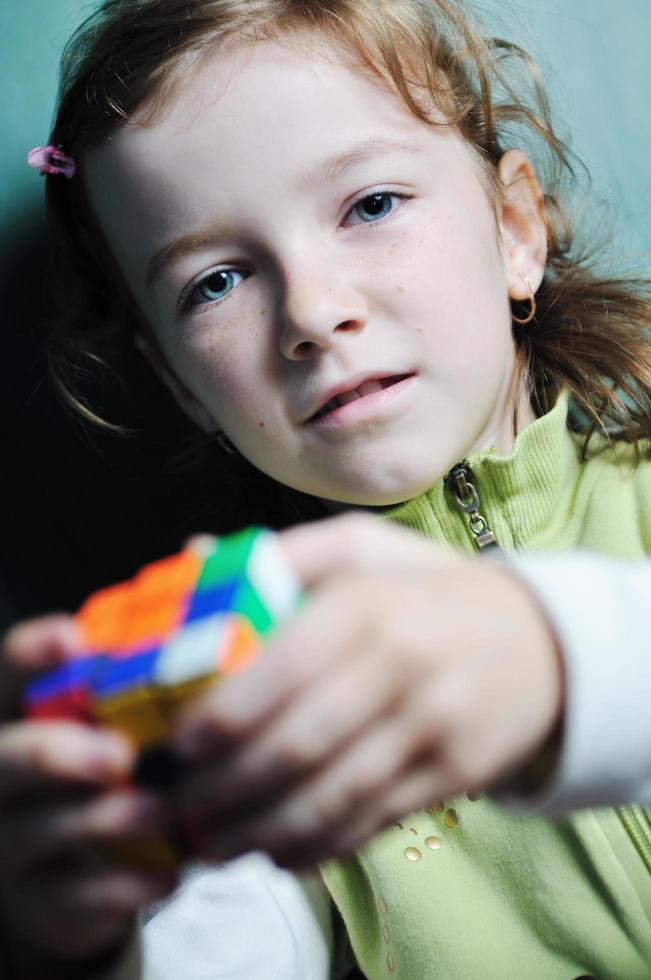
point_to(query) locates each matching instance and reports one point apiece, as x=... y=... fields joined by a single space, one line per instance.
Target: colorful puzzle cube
x=148 y=644
x=177 y=627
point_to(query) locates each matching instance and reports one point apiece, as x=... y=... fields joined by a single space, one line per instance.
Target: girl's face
x=322 y=272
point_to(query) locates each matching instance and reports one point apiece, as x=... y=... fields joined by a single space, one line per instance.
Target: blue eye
x=213 y=287
x=374 y=206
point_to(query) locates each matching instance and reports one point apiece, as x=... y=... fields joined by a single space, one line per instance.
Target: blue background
x=594 y=54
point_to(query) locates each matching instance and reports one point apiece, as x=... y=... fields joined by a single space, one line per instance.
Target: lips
x=348 y=394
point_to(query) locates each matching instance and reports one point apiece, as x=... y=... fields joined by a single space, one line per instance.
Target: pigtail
x=591 y=335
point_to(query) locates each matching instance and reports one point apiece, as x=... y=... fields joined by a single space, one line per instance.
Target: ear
x=192 y=407
x=522 y=226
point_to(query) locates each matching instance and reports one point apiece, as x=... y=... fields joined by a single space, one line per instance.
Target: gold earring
x=226 y=443
x=532 y=306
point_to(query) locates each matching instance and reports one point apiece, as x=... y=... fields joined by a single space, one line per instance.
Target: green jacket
x=465 y=889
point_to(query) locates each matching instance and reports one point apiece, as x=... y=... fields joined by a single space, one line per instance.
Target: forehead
x=246 y=99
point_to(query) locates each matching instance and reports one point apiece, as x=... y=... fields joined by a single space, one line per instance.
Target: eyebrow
x=328 y=172
x=201 y=237
x=338 y=166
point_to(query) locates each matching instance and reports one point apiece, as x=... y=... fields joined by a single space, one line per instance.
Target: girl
x=313 y=220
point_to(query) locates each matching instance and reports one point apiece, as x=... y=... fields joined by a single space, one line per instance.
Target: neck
x=512 y=415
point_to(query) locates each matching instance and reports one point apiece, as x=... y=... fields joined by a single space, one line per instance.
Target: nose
x=318 y=305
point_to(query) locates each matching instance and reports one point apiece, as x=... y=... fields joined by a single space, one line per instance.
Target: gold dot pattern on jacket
x=450 y=822
x=386 y=935
x=448 y=819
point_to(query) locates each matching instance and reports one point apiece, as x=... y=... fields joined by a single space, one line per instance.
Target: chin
x=376 y=496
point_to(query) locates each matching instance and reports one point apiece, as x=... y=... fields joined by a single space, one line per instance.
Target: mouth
x=368 y=387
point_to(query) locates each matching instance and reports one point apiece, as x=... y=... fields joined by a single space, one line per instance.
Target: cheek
x=456 y=281
x=227 y=370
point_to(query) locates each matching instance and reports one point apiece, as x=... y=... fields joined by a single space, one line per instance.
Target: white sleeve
x=600 y=610
x=242 y=921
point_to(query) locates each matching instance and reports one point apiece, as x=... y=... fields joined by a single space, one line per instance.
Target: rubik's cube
x=179 y=626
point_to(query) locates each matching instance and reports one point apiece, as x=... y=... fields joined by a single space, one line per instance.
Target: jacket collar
x=525 y=497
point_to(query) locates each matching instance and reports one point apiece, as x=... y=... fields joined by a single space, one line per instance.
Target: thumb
x=313 y=550
x=29 y=648
x=357 y=542
x=319 y=549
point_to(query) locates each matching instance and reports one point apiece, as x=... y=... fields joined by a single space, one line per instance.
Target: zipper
x=460 y=483
x=637 y=821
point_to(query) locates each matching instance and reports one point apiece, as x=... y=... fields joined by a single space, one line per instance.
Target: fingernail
x=202 y=544
x=110 y=754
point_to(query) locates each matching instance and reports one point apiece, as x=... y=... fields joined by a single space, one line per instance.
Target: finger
x=303 y=738
x=32 y=835
x=40 y=643
x=82 y=909
x=324 y=632
x=391 y=803
x=424 y=782
x=305 y=818
x=404 y=794
x=29 y=647
x=120 y=891
x=355 y=542
x=36 y=754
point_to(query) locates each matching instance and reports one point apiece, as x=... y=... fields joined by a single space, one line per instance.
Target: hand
x=411 y=675
x=63 y=798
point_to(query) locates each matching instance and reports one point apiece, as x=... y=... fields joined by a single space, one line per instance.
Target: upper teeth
x=349 y=396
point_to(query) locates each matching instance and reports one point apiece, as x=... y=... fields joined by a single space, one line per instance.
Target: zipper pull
x=459 y=483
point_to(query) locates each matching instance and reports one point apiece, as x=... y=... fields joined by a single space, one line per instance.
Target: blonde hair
x=591 y=330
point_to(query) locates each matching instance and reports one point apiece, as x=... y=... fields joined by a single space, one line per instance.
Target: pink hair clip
x=51 y=160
